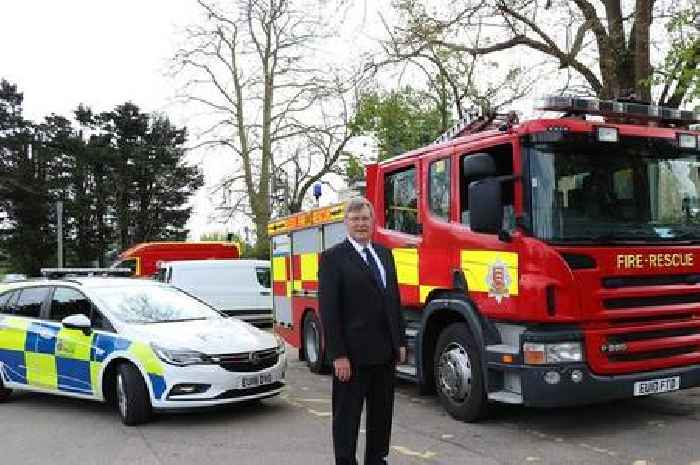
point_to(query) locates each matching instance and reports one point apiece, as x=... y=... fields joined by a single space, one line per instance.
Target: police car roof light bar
x=58 y=273
x=617 y=109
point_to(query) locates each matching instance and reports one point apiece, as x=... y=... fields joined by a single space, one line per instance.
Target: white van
x=239 y=288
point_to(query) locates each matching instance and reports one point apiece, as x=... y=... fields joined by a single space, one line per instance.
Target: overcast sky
x=102 y=53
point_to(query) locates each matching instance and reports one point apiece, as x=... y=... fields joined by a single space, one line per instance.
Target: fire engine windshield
x=635 y=190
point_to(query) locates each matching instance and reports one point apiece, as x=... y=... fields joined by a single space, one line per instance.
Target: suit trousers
x=373 y=385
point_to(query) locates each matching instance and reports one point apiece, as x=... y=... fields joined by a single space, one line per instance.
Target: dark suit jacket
x=360 y=318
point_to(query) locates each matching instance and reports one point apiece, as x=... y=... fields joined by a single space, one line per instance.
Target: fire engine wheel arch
x=446 y=309
x=312 y=343
x=456 y=362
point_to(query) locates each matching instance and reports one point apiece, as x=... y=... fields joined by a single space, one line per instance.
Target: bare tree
x=456 y=80
x=614 y=34
x=256 y=69
x=317 y=152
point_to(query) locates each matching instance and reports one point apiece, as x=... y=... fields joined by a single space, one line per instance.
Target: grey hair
x=356 y=204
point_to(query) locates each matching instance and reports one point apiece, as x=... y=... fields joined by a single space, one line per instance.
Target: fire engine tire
x=311 y=338
x=133 y=400
x=4 y=393
x=458 y=376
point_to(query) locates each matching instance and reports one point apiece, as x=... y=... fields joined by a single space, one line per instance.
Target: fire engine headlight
x=560 y=352
x=181 y=357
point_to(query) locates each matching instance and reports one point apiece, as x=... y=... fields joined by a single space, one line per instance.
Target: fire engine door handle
x=264 y=292
x=410 y=245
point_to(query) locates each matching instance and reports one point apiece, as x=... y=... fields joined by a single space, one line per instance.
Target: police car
x=138 y=344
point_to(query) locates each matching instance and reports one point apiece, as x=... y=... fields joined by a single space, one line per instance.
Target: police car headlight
x=281 y=345
x=181 y=357
x=561 y=352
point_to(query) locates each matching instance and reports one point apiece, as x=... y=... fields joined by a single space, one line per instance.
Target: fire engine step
x=407 y=372
x=506 y=397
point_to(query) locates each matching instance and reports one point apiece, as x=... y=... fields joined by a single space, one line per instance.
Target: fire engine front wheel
x=458 y=376
x=315 y=355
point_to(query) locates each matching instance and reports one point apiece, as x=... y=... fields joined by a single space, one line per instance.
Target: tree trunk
x=642 y=64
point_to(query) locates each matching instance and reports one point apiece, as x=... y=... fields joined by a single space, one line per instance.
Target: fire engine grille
x=660 y=280
x=247 y=362
x=650 y=322
x=687 y=344
x=651 y=301
x=655 y=354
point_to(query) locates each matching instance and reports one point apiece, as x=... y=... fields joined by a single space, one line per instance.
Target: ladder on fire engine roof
x=474 y=122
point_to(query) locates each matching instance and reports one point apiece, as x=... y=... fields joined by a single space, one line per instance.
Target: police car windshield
x=153 y=304
x=635 y=190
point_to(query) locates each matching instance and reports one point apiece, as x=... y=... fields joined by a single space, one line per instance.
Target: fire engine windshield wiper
x=685 y=236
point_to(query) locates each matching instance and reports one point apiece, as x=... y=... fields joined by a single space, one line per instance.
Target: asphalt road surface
x=294 y=429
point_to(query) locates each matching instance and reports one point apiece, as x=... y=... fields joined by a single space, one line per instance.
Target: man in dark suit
x=363 y=333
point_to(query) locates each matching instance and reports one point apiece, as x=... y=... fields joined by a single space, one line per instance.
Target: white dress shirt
x=360 y=250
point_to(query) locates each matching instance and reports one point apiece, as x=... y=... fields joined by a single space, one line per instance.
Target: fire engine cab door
x=399 y=227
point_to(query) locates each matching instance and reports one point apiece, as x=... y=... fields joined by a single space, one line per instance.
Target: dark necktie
x=374 y=268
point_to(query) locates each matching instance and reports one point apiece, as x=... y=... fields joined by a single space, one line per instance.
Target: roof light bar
x=578 y=105
x=57 y=273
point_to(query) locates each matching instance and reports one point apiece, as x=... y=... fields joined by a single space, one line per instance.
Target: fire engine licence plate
x=252 y=381
x=656 y=386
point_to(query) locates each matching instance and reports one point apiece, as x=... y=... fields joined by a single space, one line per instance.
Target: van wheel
x=133 y=400
x=458 y=376
x=4 y=393
x=315 y=356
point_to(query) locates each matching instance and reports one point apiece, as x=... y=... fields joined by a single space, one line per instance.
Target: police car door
x=73 y=346
x=39 y=337
x=13 y=340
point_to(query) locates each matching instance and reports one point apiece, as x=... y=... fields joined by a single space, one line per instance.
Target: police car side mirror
x=79 y=321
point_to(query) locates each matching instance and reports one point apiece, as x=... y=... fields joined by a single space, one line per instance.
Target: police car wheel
x=133 y=402
x=315 y=355
x=458 y=376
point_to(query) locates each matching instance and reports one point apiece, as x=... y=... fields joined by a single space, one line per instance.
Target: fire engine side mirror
x=486 y=206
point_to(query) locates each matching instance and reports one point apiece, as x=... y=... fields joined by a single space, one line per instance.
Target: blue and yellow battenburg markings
x=48 y=356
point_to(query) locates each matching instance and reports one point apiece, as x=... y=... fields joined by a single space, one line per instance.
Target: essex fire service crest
x=498 y=280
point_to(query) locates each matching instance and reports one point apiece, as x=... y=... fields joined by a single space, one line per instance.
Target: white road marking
x=427 y=455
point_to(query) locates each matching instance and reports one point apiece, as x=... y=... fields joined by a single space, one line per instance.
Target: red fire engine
x=544 y=263
x=144 y=259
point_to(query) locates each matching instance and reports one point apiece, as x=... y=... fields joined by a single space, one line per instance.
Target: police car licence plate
x=253 y=381
x=657 y=386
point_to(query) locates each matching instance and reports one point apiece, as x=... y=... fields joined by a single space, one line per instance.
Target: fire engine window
x=503 y=156
x=401 y=201
x=129 y=263
x=439 y=188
